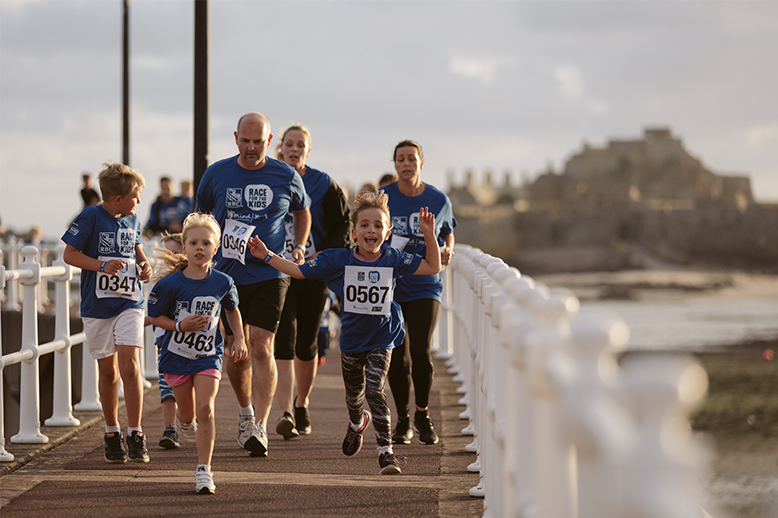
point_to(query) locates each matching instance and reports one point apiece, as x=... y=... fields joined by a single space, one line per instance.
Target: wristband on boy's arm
x=102 y=266
x=178 y=326
x=269 y=256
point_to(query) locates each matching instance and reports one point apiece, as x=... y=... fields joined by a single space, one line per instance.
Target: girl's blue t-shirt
x=176 y=293
x=407 y=236
x=260 y=198
x=96 y=233
x=363 y=332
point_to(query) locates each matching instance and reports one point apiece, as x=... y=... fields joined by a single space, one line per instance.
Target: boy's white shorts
x=104 y=334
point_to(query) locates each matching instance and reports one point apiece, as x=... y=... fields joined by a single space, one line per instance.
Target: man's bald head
x=254 y=118
x=253 y=139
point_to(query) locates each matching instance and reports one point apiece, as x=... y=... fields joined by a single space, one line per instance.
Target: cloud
x=762 y=136
x=570 y=81
x=475 y=68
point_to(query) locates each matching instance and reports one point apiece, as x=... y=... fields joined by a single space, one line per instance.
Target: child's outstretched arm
x=430 y=265
x=239 y=349
x=260 y=251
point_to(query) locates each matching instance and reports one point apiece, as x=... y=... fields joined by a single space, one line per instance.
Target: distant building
x=649 y=192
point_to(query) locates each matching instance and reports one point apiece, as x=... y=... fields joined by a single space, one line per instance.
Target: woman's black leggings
x=421 y=317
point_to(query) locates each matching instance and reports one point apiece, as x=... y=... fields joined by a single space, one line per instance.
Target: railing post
x=62 y=414
x=13 y=264
x=444 y=330
x=90 y=397
x=29 y=398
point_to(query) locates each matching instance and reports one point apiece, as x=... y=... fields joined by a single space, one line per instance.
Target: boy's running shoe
x=286 y=426
x=169 y=439
x=390 y=463
x=423 y=426
x=188 y=432
x=403 y=433
x=114 y=448
x=136 y=447
x=353 y=441
x=204 y=481
x=252 y=436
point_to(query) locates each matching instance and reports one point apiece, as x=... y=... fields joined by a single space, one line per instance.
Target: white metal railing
x=560 y=429
x=30 y=274
x=33 y=276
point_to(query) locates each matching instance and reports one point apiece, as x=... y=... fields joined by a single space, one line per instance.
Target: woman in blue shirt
x=419 y=296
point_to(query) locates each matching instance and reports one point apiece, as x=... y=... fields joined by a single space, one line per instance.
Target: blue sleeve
x=322 y=267
x=300 y=199
x=447 y=218
x=406 y=264
x=159 y=300
x=79 y=232
x=205 y=194
x=230 y=301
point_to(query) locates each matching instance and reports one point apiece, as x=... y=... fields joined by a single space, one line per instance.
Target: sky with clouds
x=483 y=85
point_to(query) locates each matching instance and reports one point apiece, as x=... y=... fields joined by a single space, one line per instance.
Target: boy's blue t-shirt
x=177 y=293
x=241 y=198
x=363 y=332
x=98 y=234
x=407 y=236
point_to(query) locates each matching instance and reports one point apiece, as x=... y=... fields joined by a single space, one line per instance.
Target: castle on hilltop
x=611 y=207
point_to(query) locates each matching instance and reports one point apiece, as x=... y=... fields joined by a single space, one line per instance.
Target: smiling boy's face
x=371 y=230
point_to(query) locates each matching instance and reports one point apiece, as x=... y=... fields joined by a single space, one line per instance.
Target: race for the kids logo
x=373 y=276
x=126 y=240
x=414 y=225
x=107 y=241
x=258 y=196
x=204 y=306
x=234 y=198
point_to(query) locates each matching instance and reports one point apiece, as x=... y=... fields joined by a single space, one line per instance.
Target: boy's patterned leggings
x=364 y=375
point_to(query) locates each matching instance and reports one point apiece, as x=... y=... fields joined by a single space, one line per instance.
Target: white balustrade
x=33 y=275
x=560 y=429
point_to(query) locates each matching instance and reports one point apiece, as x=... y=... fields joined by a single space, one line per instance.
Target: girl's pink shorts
x=175 y=380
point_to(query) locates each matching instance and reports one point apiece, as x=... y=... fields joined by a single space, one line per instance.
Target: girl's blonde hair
x=370 y=200
x=296 y=126
x=171 y=262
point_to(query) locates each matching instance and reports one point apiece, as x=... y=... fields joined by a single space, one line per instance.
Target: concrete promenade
x=308 y=475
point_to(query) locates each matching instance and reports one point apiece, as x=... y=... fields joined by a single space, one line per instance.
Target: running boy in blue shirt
x=105 y=242
x=372 y=324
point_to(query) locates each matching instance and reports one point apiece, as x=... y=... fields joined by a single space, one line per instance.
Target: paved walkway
x=308 y=475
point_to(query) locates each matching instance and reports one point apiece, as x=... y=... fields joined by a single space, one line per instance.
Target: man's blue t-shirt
x=100 y=235
x=250 y=203
x=407 y=236
x=177 y=293
x=362 y=332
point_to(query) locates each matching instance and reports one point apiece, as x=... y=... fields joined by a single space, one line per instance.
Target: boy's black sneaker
x=302 y=419
x=169 y=439
x=353 y=441
x=136 y=447
x=423 y=426
x=403 y=433
x=114 y=448
x=390 y=463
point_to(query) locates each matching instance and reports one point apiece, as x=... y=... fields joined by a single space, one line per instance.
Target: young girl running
x=186 y=303
x=372 y=323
